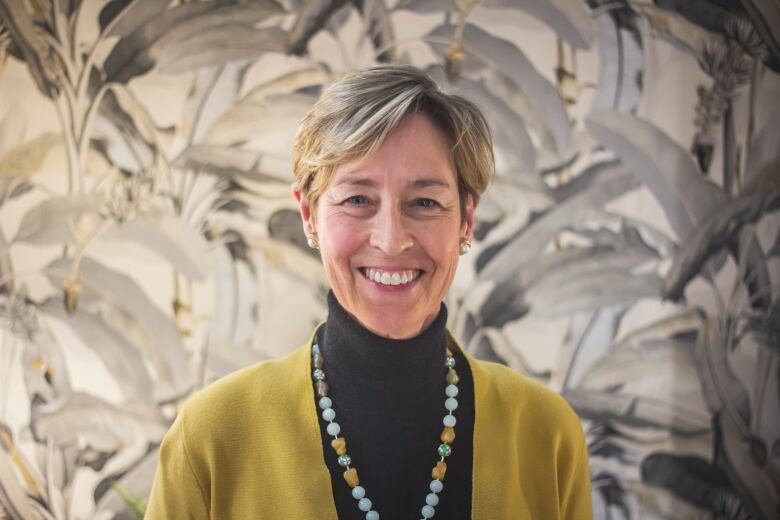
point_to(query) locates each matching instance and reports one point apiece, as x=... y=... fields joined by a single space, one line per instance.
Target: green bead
x=445 y=450
x=345 y=460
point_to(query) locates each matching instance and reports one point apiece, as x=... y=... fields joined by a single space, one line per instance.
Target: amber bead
x=317 y=361
x=351 y=477
x=448 y=434
x=322 y=388
x=452 y=377
x=439 y=471
x=340 y=445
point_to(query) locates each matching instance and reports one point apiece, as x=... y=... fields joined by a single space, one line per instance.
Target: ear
x=304 y=206
x=467 y=229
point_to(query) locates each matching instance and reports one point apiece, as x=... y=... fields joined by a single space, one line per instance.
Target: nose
x=390 y=233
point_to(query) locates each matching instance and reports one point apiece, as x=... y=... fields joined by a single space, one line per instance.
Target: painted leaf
x=765 y=15
x=138 y=52
x=26 y=159
x=662 y=165
x=426 y=6
x=504 y=56
x=591 y=335
x=379 y=28
x=531 y=241
x=13 y=497
x=289 y=82
x=575 y=291
x=312 y=17
x=137 y=481
x=35 y=50
x=570 y=19
x=620 y=67
x=213 y=92
x=121 y=358
x=50 y=222
x=507 y=127
x=183 y=247
x=677 y=30
x=146 y=325
x=251 y=121
x=86 y=420
x=219 y=45
x=489 y=340
x=709 y=238
x=229 y=162
x=122 y=17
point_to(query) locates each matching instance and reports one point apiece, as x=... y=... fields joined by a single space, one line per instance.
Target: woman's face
x=389 y=227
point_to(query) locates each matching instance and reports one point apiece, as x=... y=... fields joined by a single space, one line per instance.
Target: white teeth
x=396 y=278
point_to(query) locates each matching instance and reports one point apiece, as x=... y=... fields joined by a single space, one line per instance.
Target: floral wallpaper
x=627 y=254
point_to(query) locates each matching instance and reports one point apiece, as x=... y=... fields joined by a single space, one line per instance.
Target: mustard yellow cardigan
x=249 y=447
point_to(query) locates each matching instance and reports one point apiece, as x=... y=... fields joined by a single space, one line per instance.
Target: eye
x=356 y=200
x=425 y=203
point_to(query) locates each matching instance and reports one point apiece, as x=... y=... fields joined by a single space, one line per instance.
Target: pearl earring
x=312 y=240
x=465 y=245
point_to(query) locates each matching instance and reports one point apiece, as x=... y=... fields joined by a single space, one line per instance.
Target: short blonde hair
x=355 y=115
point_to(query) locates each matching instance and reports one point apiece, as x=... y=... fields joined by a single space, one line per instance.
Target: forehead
x=415 y=154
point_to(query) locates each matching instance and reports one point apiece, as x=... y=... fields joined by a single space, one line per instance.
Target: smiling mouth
x=390 y=277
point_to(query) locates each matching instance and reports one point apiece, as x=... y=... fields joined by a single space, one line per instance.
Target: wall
x=627 y=254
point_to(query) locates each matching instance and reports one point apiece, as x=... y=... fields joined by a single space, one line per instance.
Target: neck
x=350 y=346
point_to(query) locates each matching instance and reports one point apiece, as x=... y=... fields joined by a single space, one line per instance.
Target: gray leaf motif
x=662 y=165
x=169 y=237
x=709 y=238
x=145 y=324
x=507 y=58
x=570 y=19
x=122 y=17
x=188 y=32
x=121 y=358
x=620 y=67
x=649 y=379
x=50 y=221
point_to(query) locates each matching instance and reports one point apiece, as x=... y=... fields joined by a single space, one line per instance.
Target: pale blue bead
x=449 y=420
x=432 y=499
x=333 y=428
x=449 y=362
x=436 y=486
x=372 y=515
x=428 y=511
x=358 y=492
x=325 y=402
x=329 y=414
x=451 y=403
x=315 y=349
x=451 y=391
x=364 y=504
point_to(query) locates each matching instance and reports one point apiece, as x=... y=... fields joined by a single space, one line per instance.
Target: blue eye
x=356 y=200
x=426 y=203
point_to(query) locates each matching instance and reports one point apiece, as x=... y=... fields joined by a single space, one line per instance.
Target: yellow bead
x=322 y=388
x=351 y=477
x=439 y=471
x=452 y=377
x=340 y=445
x=448 y=434
x=317 y=361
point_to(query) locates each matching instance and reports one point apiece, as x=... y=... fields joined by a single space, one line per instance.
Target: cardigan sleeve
x=177 y=493
x=576 y=492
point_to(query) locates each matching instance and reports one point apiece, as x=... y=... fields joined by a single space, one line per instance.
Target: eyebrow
x=370 y=183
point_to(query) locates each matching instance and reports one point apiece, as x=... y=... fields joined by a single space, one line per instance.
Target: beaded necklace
x=339 y=444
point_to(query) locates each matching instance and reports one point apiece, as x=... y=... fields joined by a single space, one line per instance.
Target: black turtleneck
x=389 y=400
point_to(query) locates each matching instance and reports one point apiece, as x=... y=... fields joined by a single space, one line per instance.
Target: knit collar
x=348 y=346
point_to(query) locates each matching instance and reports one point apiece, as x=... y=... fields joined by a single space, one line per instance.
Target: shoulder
x=227 y=406
x=527 y=403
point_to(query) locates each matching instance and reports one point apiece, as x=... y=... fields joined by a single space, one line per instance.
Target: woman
x=382 y=412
